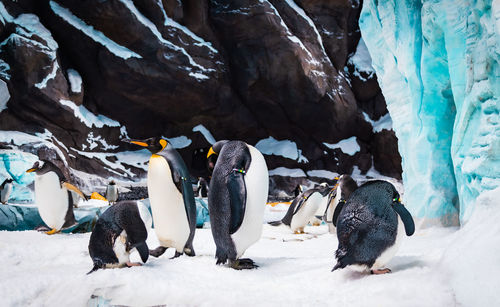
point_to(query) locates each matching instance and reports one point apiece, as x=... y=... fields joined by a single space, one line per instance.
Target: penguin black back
x=295 y=206
x=367 y=225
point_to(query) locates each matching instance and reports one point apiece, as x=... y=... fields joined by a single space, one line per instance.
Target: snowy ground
x=435 y=267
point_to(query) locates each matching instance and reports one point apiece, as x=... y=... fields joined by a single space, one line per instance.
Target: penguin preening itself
x=5 y=190
x=337 y=198
x=112 y=192
x=236 y=200
x=302 y=210
x=121 y=228
x=171 y=197
x=370 y=227
x=53 y=196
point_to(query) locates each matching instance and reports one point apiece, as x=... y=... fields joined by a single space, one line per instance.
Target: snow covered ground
x=435 y=267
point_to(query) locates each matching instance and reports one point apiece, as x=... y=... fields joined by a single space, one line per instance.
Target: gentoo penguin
x=317 y=218
x=370 y=227
x=5 y=190
x=111 y=192
x=53 y=196
x=236 y=200
x=337 y=198
x=171 y=197
x=121 y=228
x=302 y=210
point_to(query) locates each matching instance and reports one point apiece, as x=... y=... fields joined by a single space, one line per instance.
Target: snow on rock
x=285 y=148
x=94 y=34
x=348 y=146
x=208 y=136
x=87 y=117
x=4 y=95
x=179 y=142
x=4 y=70
x=287 y=172
x=362 y=61
x=75 y=80
x=322 y=174
x=384 y=122
x=439 y=76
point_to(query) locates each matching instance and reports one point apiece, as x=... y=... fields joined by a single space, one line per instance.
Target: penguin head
x=213 y=152
x=41 y=167
x=347 y=185
x=112 y=182
x=154 y=144
x=9 y=180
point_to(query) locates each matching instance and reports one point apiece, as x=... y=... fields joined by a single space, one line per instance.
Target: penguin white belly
x=51 y=199
x=320 y=211
x=387 y=255
x=306 y=211
x=257 y=185
x=120 y=249
x=167 y=205
x=4 y=196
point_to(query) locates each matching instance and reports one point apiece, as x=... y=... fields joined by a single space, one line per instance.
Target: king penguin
x=236 y=200
x=370 y=227
x=302 y=210
x=122 y=228
x=171 y=197
x=53 y=196
x=337 y=198
x=5 y=190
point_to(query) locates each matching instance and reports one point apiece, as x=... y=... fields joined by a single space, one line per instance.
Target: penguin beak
x=211 y=152
x=336 y=178
x=136 y=142
x=31 y=170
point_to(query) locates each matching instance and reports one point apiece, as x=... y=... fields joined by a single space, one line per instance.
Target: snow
x=348 y=146
x=287 y=172
x=94 y=34
x=87 y=117
x=4 y=68
x=94 y=140
x=322 y=174
x=285 y=148
x=198 y=76
x=439 y=75
x=4 y=95
x=435 y=267
x=75 y=80
x=50 y=76
x=384 y=122
x=362 y=61
x=179 y=142
x=208 y=136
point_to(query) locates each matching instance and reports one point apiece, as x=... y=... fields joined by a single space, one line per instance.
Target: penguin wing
x=405 y=217
x=69 y=219
x=337 y=211
x=238 y=197
x=130 y=220
x=287 y=219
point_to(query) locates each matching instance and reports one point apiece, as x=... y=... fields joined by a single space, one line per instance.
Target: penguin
x=202 y=187
x=337 y=198
x=112 y=192
x=171 y=197
x=122 y=228
x=5 y=190
x=370 y=227
x=53 y=196
x=302 y=210
x=236 y=201
x=317 y=218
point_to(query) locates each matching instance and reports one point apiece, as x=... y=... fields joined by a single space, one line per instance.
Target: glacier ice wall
x=437 y=63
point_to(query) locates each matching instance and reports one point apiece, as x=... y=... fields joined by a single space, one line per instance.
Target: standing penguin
x=5 y=190
x=337 y=198
x=120 y=229
x=370 y=227
x=236 y=200
x=53 y=196
x=112 y=192
x=302 y=210
x=317 y=218
x=171 y=197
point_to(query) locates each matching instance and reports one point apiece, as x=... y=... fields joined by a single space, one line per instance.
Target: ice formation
x=437 y=63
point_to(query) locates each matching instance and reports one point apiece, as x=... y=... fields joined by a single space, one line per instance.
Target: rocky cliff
x=291 y=77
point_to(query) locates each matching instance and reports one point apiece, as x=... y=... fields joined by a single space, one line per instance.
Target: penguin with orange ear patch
x=171 y=197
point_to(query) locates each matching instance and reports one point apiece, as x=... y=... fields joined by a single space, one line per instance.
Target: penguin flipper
x=405 y=217
x=71 y=187
x=237 y=196
x=143 y=250
x=336 y=213
x=275 y=223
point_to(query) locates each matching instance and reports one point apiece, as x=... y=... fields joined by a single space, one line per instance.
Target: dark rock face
x=244 y=69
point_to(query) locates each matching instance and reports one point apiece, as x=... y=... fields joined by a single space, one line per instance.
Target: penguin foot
x=243 y=264
x=177 y=254
x=157 y=252
x=52 y=231
x=380 y=271
x=131 y=264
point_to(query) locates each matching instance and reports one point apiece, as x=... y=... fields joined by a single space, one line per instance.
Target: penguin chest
x=167 y=205
x=302 y=217
x=257 y=186
x=389 y=252
x=120 y=249
x=4 y=195
x=51 y=199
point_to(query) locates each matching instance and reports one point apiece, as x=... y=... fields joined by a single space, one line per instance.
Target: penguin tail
x=275 y=223
x=95 y=268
